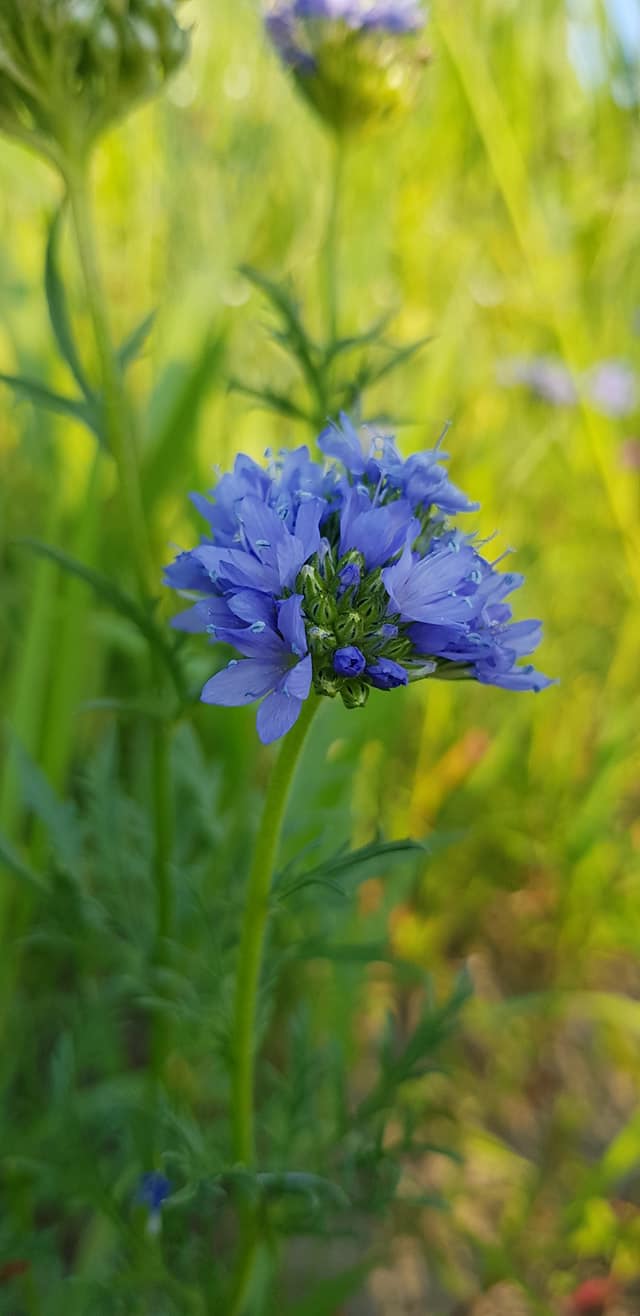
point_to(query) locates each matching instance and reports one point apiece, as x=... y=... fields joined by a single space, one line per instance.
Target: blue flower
x=344 y=576
x=276 y=665
x=153 y=1190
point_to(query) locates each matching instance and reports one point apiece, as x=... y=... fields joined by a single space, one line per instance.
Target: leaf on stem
x=59 y=310
x=29 y=390
x=133 y=344
x=121 y=601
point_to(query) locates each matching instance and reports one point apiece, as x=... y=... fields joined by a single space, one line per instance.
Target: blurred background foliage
x=500 y=220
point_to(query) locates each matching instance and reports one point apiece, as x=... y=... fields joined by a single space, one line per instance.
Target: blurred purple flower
x=612 y=387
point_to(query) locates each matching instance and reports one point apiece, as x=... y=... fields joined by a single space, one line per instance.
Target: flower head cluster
x=354 y=60
x=68 y=68
x=345 y=576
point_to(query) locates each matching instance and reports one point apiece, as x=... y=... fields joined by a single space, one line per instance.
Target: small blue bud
x=386 y=675
x=349 y=661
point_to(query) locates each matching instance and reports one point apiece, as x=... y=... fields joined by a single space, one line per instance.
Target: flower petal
x=241 y=683
x=297 y=681
x=276 y=715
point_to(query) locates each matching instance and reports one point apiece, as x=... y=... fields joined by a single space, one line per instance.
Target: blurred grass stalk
x=548 y=272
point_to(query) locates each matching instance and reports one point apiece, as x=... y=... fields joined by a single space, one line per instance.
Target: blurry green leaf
x=294 y=337
x=125 y=708
x=272 y=400
x=62 y=1069
x=58 y=308
x=313 y=1186
x=133 y=344
x=16 y=865
x=372 y=373
x=326 y=1298
x=365 y=952
x=344 y=862
x=29 y=390
x=372 y=335
x=118 y=599
x=59 y=818
x=171 y=446
x=289 y=1182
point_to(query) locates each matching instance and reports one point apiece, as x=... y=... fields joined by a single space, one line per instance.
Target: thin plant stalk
x=121 y=436
x=332 y=237
x=256 y=914
x=120 y=427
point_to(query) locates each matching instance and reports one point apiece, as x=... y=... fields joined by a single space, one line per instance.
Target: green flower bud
x=70 y=68
x=354 y=693
x=357 y=66
x=349 y=628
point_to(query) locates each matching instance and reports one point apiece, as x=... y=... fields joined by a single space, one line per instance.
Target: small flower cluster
x=353 y=59
x=345 y=576
x=68 y=68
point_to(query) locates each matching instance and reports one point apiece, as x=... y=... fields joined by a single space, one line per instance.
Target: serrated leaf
x=29 y=390
x=58 y=817
x=118 y=599
x=133 y=344
x=58 y=308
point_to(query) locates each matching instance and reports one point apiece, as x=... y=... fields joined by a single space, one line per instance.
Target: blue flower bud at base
x=386 y=675
x=349 y=661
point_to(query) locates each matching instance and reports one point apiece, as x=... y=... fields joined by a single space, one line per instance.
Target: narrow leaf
x=118 y=599
x=58 y=308
x=372 y=335
x=29 y=390
x=271 y=400
x=373 y=373
x=133 y=344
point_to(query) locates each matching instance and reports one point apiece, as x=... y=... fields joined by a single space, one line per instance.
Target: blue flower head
x=153 y=1190
x=354 y=60
x=344 y=576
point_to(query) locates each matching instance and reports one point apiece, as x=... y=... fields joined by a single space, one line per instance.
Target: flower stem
x=256 y=914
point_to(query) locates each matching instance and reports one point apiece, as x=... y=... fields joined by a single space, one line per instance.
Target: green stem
x=121 y=438
x=254 y=928
x=118 y=417
x=332 y=239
